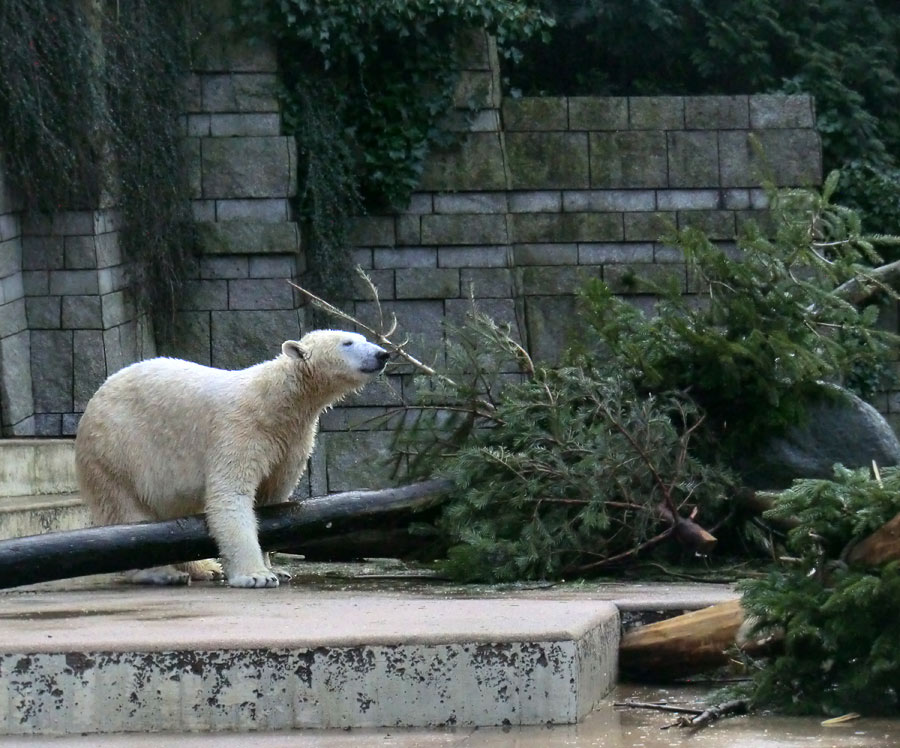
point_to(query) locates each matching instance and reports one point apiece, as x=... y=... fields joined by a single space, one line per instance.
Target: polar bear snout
x=377 y=360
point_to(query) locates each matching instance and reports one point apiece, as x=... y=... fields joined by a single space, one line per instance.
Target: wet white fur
x=165 y=438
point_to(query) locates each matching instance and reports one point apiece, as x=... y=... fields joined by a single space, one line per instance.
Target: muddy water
x=607 y=727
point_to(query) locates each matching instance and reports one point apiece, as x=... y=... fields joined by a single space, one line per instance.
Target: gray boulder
x=839 y=427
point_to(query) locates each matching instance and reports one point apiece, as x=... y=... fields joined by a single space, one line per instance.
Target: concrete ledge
x=35 y=515
x=207 y=658
x=37 y=466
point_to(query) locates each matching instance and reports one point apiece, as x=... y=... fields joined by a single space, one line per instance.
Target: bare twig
x=711 y=714
x=658 y=707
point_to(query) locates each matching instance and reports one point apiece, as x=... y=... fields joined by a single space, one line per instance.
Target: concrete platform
x=210 y=658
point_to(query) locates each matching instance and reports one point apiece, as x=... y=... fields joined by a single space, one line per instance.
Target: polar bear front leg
x=232 y=523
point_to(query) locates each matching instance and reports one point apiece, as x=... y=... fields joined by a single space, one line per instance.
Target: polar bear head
x=337 y=355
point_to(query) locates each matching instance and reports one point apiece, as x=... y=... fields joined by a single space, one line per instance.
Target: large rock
x=840 y=428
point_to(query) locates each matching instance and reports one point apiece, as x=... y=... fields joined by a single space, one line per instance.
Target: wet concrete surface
x=607 y=727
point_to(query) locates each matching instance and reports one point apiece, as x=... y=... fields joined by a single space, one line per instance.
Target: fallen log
x=99 y=550
x=881 y=546
x=698 y=641
x=680 y=646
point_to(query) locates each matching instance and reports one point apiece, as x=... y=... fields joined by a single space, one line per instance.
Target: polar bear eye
x=348 y=343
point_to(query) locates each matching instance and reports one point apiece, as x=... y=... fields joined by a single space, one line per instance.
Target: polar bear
x=165 y=438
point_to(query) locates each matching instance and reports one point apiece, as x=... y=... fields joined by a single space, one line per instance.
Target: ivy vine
x=90 y=116
x=365 y=86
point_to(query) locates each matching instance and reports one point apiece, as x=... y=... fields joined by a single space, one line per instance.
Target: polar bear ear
x=295 y=349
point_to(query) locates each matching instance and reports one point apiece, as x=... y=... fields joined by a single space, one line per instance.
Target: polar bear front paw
x=263 y=578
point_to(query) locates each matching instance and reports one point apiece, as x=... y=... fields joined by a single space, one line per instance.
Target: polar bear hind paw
x=262 y=578
x=207 y=570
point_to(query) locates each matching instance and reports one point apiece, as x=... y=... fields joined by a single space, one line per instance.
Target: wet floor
x=607 y=727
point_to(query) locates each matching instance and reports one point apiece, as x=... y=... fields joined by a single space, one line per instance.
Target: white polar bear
x=165 y=438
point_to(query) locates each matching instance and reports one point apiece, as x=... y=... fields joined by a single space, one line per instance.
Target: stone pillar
x=16 y=402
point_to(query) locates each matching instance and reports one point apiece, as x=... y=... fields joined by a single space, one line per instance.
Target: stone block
x=470 y=202
x=383 y=280
x=204 y=295
x=642 y=227
x=260 y=293
x=788 y=157
x=51 y=370
x=240 y=339
x=666 y=253
x=197 y=125
x=66 y=222
x=757 y=220
x=248 y=167
x=385 y=391
x=716 y=224
x=240 y=92
x=534 y=113
x=359 y=418
x=16 y=396
x=545 y=160
x=80 y=252
x=273 y=267
x=42 y=252
x=628 y=159
x=559 y=280
x=10 y=257
x=362 y=257
x=247 y=238
x=781 y=111
x=608 y=200
x=464 y=229
x=36 y=282
x=10 y=227
x=12 y=317
x=225 y=267
x=427 y=283
x=372 y=231
x=117 y=309
x=190 y=338
x=89 y=366
x=717 y=112
x=501 y=311
x=70 y=423
x=408 y=230
x=108 y=250
x=483 y=283
x=82 y=312
x=25 y=427
x=405 y=257
x=598 y=113
x=644 y=278
x=203 y=210
x=230 y=125
x=112 y=279
x=421 y=320
x=419 y=202
x=601 y=254
x=551 y=326
x=545 y=254
x=553 y=228
x=735 y=199
x=43 y=312
x=534 y=202
x=476 y=163
x=12 y=287
x=263 y=210
x=656 y=112
x=73 y=282
x=688 y=199
x=47 y=424
x=693 y=159
x=473 y=257
x=475 y=90
x=37 y=224
x=357 y=459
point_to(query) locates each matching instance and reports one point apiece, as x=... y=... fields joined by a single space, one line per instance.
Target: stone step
x=36 y=515
x=31 y=467
x=208 y=658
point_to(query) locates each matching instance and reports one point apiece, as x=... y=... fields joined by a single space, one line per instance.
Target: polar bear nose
x=382 y=357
